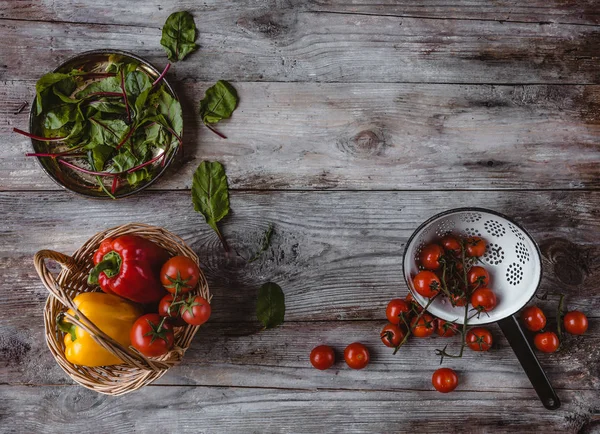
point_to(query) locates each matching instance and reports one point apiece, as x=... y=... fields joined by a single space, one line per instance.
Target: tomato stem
x=410 y=329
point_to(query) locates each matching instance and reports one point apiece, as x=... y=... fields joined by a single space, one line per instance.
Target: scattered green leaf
x=270 y=306
x=266 y=242
x=178 y=35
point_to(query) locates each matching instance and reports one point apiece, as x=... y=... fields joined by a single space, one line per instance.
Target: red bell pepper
x=129 y=266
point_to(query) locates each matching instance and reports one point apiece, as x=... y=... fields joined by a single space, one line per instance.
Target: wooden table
x=358 y=120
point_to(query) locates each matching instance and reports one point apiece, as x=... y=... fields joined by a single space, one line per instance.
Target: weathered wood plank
x=153 y=12
x=232 y=410
x=365 y=136
x=290 y=45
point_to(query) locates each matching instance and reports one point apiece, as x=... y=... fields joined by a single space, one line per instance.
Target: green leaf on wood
x=270 y=306
x=219 y=102
x=178 y=35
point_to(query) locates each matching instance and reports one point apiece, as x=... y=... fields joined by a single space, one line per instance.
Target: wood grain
x=231 y=410
x=291 y=45
x=368 y=137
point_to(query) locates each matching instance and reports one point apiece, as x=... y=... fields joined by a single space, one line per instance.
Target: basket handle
x=80 y=320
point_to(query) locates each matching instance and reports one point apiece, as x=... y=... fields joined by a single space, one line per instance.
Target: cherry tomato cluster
x=448 y=269
x=153 y=334
x=534 y=319
x=356 y=356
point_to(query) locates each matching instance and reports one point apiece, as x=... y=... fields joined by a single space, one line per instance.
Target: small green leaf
x=46 y=83
x=218 y=103
x=138 y=176
x=110 y=84
x=210 y=194
x=59 y=116
x=99 y=155
x=266 y=242
x=170 y=108
x=270 y=306
x=178 y=35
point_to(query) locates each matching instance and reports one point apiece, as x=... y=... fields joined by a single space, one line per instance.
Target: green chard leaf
x=210 y=194
x=99 y=155
x=123 y=161
x=110 y=84
x=170 y=108
x=218 y=103
x=178 y=35
x=59 y=116
x=44 y=85
x=138 y=176
x=270 y=306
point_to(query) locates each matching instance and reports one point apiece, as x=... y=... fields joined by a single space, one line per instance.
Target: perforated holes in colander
x=494 y=228
x=494 y=254
x=514 y=274
x=444 y=227
x=522 y=252
x=517 y=232
x=470 y=217
x=418 y=251
x=472 y=232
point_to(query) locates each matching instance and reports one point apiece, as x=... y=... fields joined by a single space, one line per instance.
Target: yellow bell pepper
x=111 y=314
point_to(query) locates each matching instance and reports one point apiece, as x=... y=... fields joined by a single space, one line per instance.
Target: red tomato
x=475 y=247
x=196 y=310
x=427 y=283
x=575 y=322
x=396 y=307
x=484 y=299
x=151 y=338
x=446 y=329
x=451 y=244
x=165 y=308
x=413 y=304
x=444 y=380
x=356 y=355
x=546 y=342
x=430 y=256
x=179 y=275
x=479 y=339
x=424 y=327
x=533 y=318
x=322 y=357
x=392 y=335
x=478 y=277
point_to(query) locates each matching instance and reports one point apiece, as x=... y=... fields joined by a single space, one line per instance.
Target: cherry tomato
x=151 y=338
x=396 y=307
x=322 y=357
x=546 y=342
x=392 y=335
x=475 y=247
x=165 y=308
x=458 y=300
x=451 y=244
x=427 y=283
x=430 y=256
x=478 y=277
x=484 y=299
x=533 y=318
x=444 y=380
x=479 y=339
x=414 y=306
x=445 y=329
x=179 y=275
x=196 y=310
x=424 y=327
x=356 y=355
x=575 y=322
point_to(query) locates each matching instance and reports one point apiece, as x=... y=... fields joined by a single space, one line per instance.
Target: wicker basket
x=137 y=371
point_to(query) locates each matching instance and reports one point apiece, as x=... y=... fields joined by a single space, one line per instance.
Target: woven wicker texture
x=137 y=370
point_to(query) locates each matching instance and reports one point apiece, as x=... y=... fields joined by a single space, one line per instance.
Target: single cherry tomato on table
x=451 y=244
x=424 y=327
x=444 y=380
x=152 y=335
x=484 y=299
x=179 y=275
x=478 y=277
x=475 y=247
x=427 y=284
x=168 y=309
x=546 y=342
x=195 y=310
x=396 y=307
x=533 y=318
x=392 y=335
x=446 y=329
x=575 y=322
x=356 y=355
x=430 y=256
x=322 y=357
x=479 y=339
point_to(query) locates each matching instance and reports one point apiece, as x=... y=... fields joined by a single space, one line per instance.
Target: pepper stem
x=110 y=265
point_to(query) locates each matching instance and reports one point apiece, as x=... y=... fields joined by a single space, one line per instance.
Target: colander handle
x=518 y=341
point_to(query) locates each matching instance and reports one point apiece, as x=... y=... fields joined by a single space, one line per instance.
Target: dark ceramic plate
x=81 y=183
